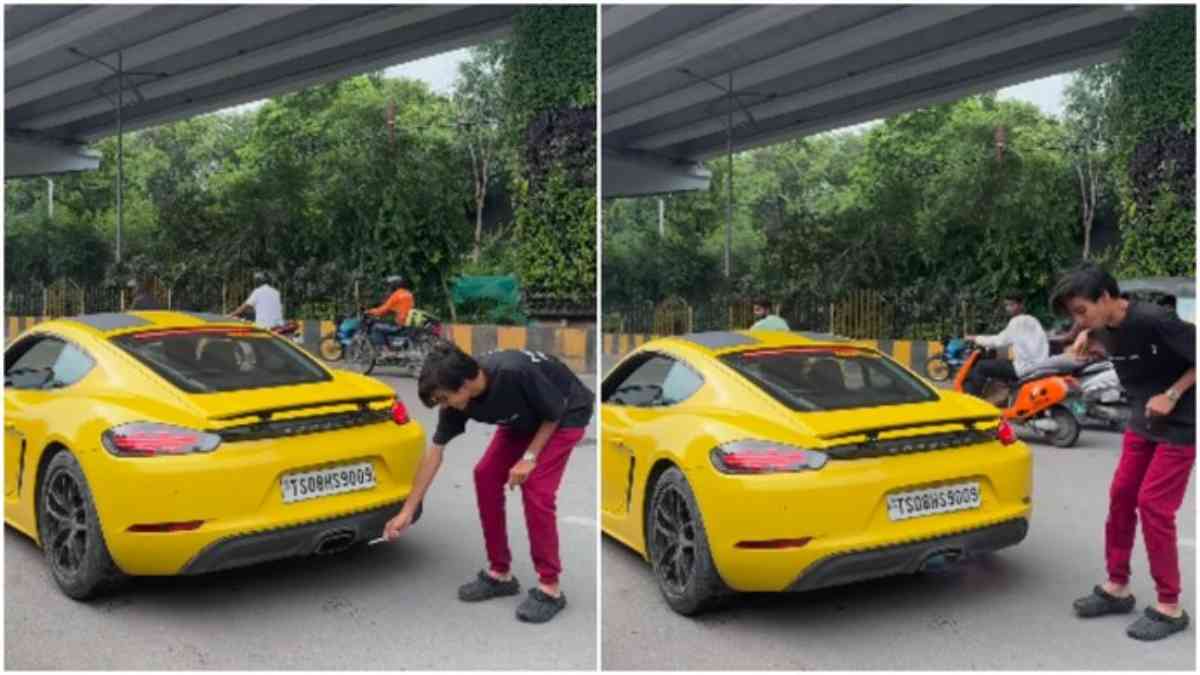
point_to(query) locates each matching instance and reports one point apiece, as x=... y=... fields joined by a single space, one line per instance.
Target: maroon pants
x=1150 y=480
x=539 y=492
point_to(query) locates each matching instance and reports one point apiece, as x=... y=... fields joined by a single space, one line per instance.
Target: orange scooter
x=1036 y=403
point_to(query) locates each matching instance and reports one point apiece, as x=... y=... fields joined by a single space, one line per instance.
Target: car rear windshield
x=815 y=379
x=206 y=360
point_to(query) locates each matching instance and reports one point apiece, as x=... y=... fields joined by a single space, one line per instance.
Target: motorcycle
x=405 y=349
x=333 y=346
x=1100 y=400
x=943 y=366
x=290 y=330
x=1038 y=402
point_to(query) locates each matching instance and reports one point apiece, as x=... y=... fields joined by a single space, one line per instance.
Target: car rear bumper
x=332 y=534
x=909 y=557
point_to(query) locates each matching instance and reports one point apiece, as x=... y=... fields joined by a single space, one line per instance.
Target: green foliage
x=919 y=203
x=1153 y=118
x=552 y=63
x=549 y=93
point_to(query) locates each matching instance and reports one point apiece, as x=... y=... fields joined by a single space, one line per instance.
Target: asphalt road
x=391 y=606
x=1007 y=611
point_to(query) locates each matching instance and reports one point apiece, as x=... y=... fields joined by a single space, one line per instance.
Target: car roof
x=722 y=343
x=1184 y=287
x=112 y=324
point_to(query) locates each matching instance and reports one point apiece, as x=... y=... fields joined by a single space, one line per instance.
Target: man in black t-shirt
x=1154 y=353
x=541 y=410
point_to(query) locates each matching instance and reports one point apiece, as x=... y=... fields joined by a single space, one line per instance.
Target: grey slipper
x=1155 y=625
x=540 y=607
x=484 y=587
x=1101 y=602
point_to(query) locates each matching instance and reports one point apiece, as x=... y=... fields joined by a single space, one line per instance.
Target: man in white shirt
x=1024 y=334
x=265 y=300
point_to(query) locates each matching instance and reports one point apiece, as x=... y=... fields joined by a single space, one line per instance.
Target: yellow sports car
x=161 y=443
x=763 y=461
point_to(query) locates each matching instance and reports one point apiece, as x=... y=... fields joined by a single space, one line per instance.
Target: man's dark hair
x=446 y=369
x=763 y=301
x=1088 y=281
x=1015 y=296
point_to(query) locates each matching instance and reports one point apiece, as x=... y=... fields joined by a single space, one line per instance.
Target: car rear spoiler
x=363 y=402
x=968 y=422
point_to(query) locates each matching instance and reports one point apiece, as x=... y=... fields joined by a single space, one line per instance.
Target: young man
x=1154 y=353
x=268 y=306
x=399 y=303
x=1024 y=334
x=541 y=409
x=764 y=319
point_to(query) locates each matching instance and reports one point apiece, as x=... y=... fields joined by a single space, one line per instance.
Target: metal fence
x=868 y=314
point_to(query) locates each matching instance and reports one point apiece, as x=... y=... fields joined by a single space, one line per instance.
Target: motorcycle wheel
x=332 y=349
x=421 y=345
x=1067 y=433
x=360 y=355
x=937 y=369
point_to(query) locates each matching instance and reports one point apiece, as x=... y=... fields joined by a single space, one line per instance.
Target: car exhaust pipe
x=335 y=542
x=940 y=560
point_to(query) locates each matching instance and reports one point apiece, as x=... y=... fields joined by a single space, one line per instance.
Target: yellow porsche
x=163 y=443
x=763 y=461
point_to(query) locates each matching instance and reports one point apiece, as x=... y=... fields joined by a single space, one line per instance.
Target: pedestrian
x=764 y=318
x=143 y=295
x=1154 y=353
x=541 y=410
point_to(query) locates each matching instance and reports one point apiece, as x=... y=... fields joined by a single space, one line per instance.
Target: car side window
x=655 y=380
x=43 y=362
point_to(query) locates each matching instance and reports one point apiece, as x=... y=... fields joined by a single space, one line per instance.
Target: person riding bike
x=399 y=304
x=1024 y=334
x=265 y=301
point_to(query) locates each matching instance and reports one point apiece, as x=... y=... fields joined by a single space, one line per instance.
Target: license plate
x=932 y=501
x=298 y=487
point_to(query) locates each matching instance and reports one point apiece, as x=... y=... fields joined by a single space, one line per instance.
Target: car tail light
x=167 y=527
x=1005 y=434
x=399 y=412
x=149 y=439
x=742 y=457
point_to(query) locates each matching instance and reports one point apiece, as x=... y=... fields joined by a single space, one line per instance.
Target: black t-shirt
x=524 y=389
x=1151 y=349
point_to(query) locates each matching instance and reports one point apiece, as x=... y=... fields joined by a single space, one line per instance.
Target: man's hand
x=1159 y=406
x=519 y=473
x=397 y=525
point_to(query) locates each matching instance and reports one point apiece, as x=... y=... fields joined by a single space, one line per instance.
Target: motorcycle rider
x=1024 y=334
x=399 y=303
x=265 y=301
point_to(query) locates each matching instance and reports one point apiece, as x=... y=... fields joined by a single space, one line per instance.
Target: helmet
x=260 y=277
x=396 y=281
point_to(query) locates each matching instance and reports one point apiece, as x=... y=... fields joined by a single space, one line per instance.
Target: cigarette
x=378 y=540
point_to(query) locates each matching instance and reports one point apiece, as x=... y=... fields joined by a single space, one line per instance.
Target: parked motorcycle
x=333 y=346
x=1038 y=402
x=943 y=366
x=405 y=349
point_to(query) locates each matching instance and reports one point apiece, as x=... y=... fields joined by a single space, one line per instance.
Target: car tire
x=689 y=583
x=69 y=529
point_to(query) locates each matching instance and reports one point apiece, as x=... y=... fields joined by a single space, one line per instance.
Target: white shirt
x=268 y=307
x=1027 y=338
